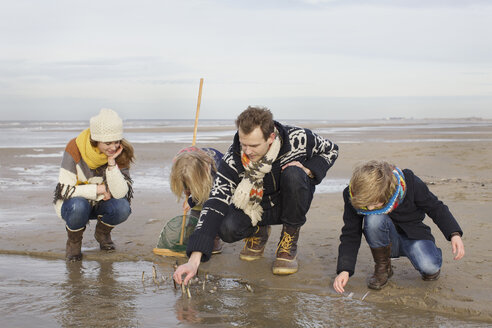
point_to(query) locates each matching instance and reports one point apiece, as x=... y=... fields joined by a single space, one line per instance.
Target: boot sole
x=376 y=287
x=250 y=258
x=283 y=271
x=280 y=270
x=380 y=286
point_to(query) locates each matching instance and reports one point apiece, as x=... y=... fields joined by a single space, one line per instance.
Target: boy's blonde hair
x=191 y=173
x=372 y=182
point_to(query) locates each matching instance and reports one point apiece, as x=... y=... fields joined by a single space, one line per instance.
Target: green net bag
x=171 y=232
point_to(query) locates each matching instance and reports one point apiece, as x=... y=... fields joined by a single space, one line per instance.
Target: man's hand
x=458 y=247
x=188 y=269
x=298 y=164
x=340 y=282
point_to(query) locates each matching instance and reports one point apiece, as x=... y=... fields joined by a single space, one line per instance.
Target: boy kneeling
x=388 y=205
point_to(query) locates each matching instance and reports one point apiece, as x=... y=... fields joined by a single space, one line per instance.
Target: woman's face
x=108 y=148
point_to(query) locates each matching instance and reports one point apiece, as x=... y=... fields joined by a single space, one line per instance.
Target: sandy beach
x=455 y=162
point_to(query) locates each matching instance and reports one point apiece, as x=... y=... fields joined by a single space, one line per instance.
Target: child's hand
x=340 y=282
x=186 y=206
x=458 y=247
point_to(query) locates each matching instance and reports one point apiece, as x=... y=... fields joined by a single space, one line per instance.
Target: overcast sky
x=304 y=59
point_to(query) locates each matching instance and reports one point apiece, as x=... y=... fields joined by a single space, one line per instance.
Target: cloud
x=150 y=53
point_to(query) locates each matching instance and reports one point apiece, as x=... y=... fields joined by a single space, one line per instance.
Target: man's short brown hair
x=372 y=182
x=253 y=117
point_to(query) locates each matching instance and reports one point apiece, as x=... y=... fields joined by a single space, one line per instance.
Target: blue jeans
x=296 y=194
x=78 y=211
x=424 y=255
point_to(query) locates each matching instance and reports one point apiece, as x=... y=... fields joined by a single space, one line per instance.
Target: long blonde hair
x=371 y=183
x=191 y=172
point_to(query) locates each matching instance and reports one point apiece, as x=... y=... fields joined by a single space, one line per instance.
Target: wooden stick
x=183 y=223
x=197 y=111
x=193 y=143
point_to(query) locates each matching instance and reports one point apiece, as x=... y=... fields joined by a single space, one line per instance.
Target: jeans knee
x=430 y=268
x=374 y=222
x=124 y=210
x=426 y=257
x=377 y=230
x=117 y=211
x=75 y=212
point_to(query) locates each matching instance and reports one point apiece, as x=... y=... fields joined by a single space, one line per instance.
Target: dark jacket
x=407 y=218
x=298 y=144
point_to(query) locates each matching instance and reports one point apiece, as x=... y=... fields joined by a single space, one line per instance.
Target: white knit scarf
x=249 y=192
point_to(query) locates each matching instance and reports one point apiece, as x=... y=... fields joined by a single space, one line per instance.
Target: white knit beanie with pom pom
x=107 y=126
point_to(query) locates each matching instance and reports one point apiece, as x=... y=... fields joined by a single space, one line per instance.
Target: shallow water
x=55 y=134
x=52 y=293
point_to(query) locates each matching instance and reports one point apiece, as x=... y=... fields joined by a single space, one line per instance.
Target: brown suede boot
x=255 y=245
x=382 y=267
x=103 y=236
x=286 y=261
x=73 y=251
x=217 y=245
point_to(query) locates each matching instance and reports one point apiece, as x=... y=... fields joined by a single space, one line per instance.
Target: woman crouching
x=94 y=182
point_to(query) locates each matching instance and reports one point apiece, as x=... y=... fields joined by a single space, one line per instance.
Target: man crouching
x=267 y=177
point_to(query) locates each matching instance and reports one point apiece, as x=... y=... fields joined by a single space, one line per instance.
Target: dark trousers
x=296 y=194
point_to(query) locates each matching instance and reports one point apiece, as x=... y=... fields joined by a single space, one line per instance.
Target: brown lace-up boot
x=382 y=267
x=255 y=245
x=103 y=236
x=74 y=245
x=286 y=261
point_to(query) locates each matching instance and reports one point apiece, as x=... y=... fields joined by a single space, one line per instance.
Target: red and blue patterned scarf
x=395 y=199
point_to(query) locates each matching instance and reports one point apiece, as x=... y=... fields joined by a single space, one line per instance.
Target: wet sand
x=456 y=167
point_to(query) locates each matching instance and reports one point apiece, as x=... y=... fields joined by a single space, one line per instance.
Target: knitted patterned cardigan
x=298 y=144
x=76 y=179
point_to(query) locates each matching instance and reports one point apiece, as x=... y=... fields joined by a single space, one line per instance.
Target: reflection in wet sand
x=92 y=296
x=52 y=293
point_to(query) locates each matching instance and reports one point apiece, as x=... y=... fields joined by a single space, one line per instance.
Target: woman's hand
x=112 y=158
x=101 y=190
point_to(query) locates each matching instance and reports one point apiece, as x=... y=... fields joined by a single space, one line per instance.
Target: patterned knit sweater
x=76 y=179
x=298 y=144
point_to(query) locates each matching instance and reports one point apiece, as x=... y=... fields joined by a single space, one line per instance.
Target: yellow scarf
x=91 y=155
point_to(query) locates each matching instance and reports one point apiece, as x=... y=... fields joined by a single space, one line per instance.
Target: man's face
x=254 y=144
